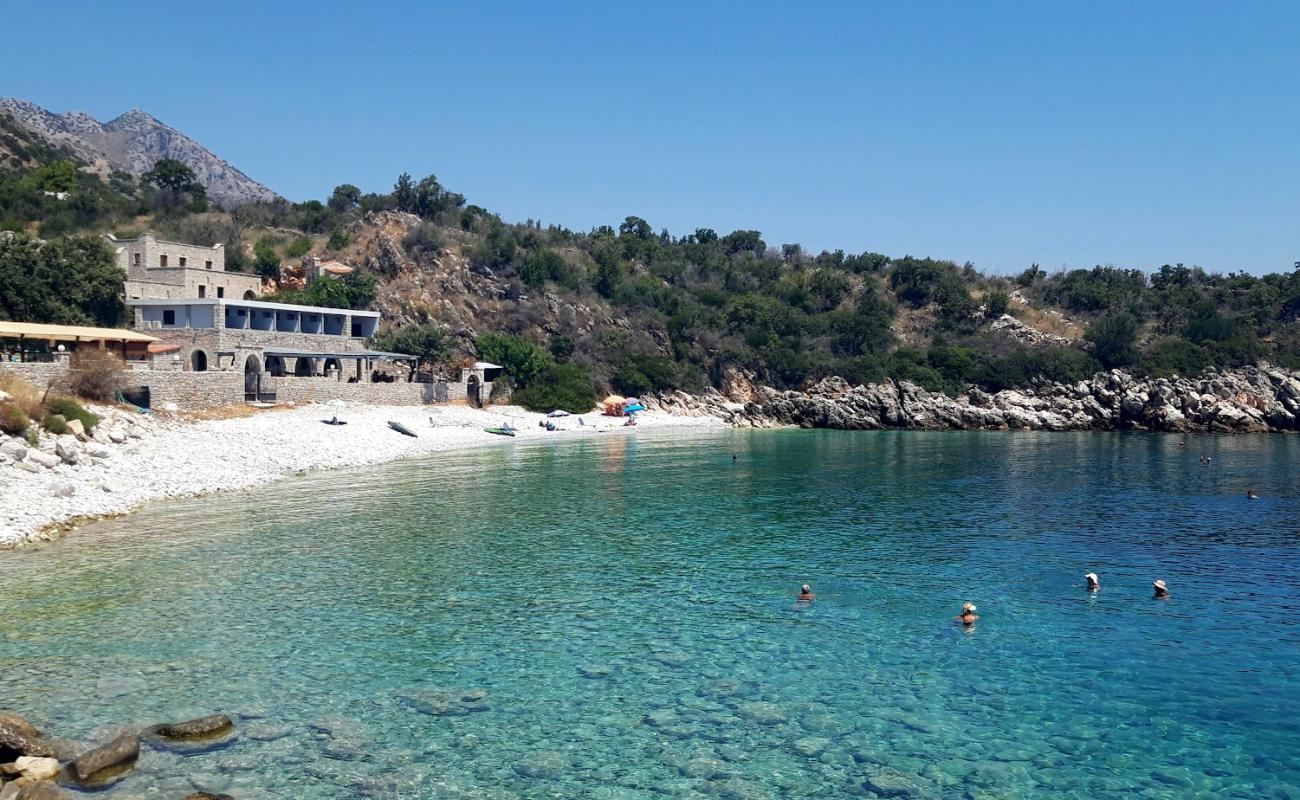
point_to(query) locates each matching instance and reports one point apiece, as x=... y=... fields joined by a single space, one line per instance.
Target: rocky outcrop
x=1248 y=400
x=1017 y=331
x=17 y=739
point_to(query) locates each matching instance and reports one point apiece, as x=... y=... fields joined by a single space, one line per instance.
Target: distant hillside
x=133 y=143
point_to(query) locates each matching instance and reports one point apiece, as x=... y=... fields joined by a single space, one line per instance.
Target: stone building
x=314 y=267
x=158 y=269
x=270 y=340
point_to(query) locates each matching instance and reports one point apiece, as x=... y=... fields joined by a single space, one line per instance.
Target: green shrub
x=1023 y=367
x=996 y=304
x=1114 y=339
x=339 y=239
x=563 y=386
x=641 y=373
x=523 y=360
x=68 y=408
x=55 y=424
x=299 y=247
x=12 y=420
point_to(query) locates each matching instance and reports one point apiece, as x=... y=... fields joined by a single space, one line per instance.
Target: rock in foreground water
x=105 y=765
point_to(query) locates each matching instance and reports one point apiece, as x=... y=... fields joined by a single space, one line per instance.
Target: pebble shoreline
x=132 y=459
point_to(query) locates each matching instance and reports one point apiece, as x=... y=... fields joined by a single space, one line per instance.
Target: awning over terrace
x=372 y=355
x=69 y=333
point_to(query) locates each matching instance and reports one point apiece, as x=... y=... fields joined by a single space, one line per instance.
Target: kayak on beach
x=335 y=421
x=402 y=429
x=501 y=431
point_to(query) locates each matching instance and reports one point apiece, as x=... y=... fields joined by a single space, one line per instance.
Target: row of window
x=169 y=318
x=182 y=261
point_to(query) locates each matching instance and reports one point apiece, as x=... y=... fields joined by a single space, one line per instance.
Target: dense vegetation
x=678 y=309
x=69 y=280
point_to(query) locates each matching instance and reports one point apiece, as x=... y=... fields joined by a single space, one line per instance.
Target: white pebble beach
x=166 y=456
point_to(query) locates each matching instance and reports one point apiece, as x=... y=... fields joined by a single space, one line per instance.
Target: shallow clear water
x=627 y=606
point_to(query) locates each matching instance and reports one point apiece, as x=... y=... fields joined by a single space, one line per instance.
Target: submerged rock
x=446 y=703
x=40 y=791
x=105 y=765
x=210 y=727
x=545 y=764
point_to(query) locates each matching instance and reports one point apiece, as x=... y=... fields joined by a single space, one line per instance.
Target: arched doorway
x=252 y=378
x=304 y=367
x=275 y=366
x=199 y=361
x=474 y=392
x=332 y=364
x=250 y=295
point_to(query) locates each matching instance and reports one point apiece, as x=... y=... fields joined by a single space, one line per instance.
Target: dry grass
x=28 y=398
x=1047 y=322
x=227 y=412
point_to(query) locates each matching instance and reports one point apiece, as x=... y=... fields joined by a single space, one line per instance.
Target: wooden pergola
x=24 y=332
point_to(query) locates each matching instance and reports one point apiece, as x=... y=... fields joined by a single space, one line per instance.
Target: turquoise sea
x=615 y=618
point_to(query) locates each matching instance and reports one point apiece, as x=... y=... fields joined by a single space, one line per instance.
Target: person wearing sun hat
x=1162 y=591
x=1093 y=583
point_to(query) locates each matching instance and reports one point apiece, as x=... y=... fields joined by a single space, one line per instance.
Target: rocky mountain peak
x=134 y=142
x=133 y=120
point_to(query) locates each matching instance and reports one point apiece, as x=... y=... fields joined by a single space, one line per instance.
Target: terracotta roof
x=70 y=333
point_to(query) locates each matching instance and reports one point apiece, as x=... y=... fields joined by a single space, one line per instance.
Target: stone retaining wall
x=192 y=390
x=319 y=390
x=39 y=374
x=216 y=389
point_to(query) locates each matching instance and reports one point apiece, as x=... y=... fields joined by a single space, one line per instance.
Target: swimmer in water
x=806 y=594
x=967 y=616
x=1093 y=583
x=1251 y=494
x=1162 y=591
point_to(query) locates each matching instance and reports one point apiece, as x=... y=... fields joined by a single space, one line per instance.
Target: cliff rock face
x=442 y=286
x=1242 y=401
x=133 y=143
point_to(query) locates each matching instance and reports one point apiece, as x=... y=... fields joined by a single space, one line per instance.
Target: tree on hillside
x=170 y=174
x=177 y=185
x=423 y=341
x=265 y=260
x=523 y=360
x=1114 y=339
x=70 y=281
x=344 y=198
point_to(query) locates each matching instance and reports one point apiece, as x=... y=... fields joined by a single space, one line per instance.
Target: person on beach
x=806 y=594
x=1162 y=591
x=1093 y=583
x=967 y=616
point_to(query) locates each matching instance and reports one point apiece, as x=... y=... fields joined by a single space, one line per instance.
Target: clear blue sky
x=1133 y=133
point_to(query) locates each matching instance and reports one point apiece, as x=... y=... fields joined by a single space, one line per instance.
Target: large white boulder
x=44 y=459
x=67 y=448
x=38 y=769
x=13 y=449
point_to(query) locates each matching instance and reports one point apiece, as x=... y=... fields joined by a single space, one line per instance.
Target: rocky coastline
x=1248 y=400
x=34 y=766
